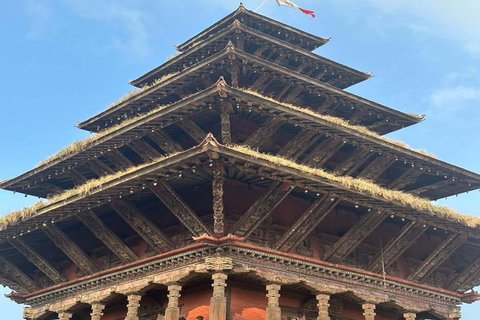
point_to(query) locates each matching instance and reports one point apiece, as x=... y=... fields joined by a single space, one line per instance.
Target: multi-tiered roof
x=244 y=118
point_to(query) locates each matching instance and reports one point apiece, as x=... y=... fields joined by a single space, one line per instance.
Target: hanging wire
x=265 y=1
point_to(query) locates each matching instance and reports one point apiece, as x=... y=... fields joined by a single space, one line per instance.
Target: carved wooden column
x=65 y=315
x=218 y=302
x=369 y=311
x=410 y=316
x=273 y=306
x=173 y=311
x=133 y=306
x=323 y=306
x=217 y=189
x=97 y=311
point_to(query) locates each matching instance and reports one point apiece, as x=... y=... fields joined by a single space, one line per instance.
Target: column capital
x=369 y=311
x=65 y=315
x=97 y=310
x=410 y=316
x=273 y=311
x=323 y=305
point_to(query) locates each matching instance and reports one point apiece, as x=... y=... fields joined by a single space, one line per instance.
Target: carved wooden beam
x=353 y=161
x=71 y=250
x=234 y=71
x=261 y=209
x=298 y=144
x=438 y=256
x=217 y=190
x=354 y=236
x=398 y=245
x=18 y=276
x=329 y=101
x=118 y=159
x=99 y=168
x=180 y=209
x=294 y=93
x=226 y=128
x=467 y=277
x=8 y=281
x=377 y=167
x=77 y=178
x=107 y=236
x=306 y=223
x=142 y=225
x=259 y=82
x=432 y=186
x=264 y=131
x=406 y=178
x=144 y=150
x=192 y=130
x=35 y=258
x=322 y=152
x=165 y=142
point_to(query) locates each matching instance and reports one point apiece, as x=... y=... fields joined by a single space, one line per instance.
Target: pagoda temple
x=241 y=182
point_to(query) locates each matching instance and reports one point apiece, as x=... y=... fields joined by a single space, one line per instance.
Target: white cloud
x=40 y=15
x=119 y=14
x=453 y=98
x=456 y=20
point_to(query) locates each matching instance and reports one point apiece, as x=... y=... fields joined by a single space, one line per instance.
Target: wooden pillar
x=218 y=302
x=65 y=315
x=369 y=311
x=273 y=306
x=97 y=311
x=323 y=305
x=410 y=316
x=173 y=312
x=217 y=190
x=133 y=306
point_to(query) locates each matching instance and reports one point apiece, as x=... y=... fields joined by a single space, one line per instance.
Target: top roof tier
x=254 y=20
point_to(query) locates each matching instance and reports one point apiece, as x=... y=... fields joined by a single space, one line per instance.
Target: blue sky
x=65 y=60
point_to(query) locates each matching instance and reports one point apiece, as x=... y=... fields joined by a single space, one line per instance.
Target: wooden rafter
x=406 y=178
x=377 y=167
x=180 y=209
x=107 y=236
x=264 y=131
x=298 y=144
x=18 y=275
x=466 y=276
x=438 y=256
x=354 y=236
x=261 y=209
x=322 y=152
x=433 y=186
x=76 y=177
x=142 y=225
x=71 y=250
x=99 y=168
x=353 y=161
x=144 y=150
x=35 y=258
x=398 y=245
x=119 y=160
x=192 y=130
x=165 y=142
x=306 y=223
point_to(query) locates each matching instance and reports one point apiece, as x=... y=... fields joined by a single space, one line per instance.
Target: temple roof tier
x=248 y=71
x=354 y=150
x=129 y=193
x=263 y=24
x=264 y=46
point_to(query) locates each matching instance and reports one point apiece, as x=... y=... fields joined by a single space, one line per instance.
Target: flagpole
x=260 y=5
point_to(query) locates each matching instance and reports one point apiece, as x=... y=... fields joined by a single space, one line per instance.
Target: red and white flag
x=288 y=3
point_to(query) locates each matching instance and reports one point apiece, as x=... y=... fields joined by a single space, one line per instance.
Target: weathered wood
x=354 y=236
x=77 y=178
x=217 y=191
x=165 y=142
x=259 y=82
x=180 y=209
x=226 y=128
x=329 y=101
x=17 y=275
x=405 y=179
x=99 y=168
x=397 y=246
x=298 y=144
x=261 y=209
x=107 y=236
x=377 y=167
x=71 y=250
x=192 y=130
x=353 y=161
x=142 y=225
x=306 y=223
x=35 y=258
x=144 y=150
x=466 y=276
x=432 y=186
x=323 y=152
x=438 y=256
x=7 y=281
x=264 y=131
x=118 y=159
